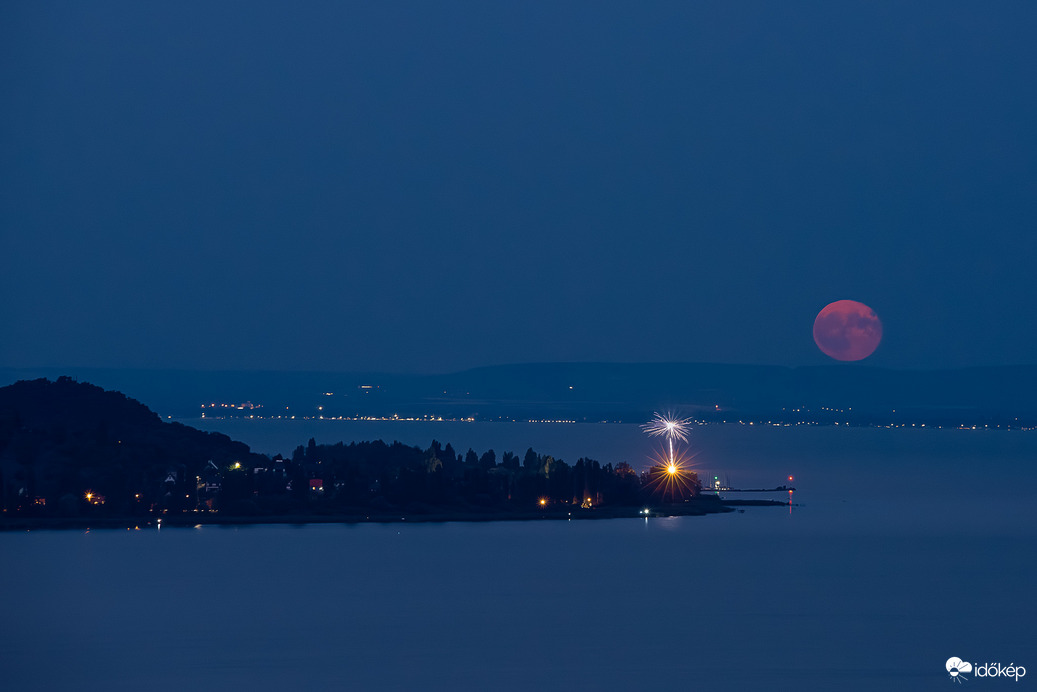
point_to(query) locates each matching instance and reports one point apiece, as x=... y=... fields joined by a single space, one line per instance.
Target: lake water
x=906 y=547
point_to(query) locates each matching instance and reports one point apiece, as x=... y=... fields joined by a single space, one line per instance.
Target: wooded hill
x=70 y=449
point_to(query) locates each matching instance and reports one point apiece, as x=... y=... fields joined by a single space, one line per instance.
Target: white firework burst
x=668 y=426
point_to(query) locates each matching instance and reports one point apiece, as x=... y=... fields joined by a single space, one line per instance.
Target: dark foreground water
x=909 y=547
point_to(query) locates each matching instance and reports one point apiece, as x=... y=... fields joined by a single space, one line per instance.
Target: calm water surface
x=907 y=547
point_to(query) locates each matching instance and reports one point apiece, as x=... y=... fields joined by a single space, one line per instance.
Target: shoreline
x=699 y=507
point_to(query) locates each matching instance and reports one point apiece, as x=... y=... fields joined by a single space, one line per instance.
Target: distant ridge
x=588 y=390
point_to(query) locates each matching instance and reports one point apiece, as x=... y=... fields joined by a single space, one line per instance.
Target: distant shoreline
x=703 y=506
x=988 y=397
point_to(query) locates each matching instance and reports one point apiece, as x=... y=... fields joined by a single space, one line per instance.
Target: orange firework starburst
x=672 y=478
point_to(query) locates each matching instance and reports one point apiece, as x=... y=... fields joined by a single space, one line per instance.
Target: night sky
x=430 y=186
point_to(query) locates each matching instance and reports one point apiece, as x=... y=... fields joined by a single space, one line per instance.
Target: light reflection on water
x=906 y=549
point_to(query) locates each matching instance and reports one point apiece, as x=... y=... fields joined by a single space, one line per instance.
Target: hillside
x=62 y=440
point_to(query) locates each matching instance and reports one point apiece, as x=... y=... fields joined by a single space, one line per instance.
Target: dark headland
x=75 y=455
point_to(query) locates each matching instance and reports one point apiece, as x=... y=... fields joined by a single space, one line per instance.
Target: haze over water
x=907 y=547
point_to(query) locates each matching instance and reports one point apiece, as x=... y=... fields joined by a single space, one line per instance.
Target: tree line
x=72 y=449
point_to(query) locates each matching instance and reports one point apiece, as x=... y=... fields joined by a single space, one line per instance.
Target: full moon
x=847 y=330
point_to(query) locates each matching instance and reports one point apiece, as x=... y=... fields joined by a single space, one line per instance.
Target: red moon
x=847 y=330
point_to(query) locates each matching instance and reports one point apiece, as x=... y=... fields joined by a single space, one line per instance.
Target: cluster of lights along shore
x=789 y=417
x=670 y=478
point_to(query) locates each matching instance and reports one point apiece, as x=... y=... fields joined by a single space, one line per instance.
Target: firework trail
x=669 y=427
